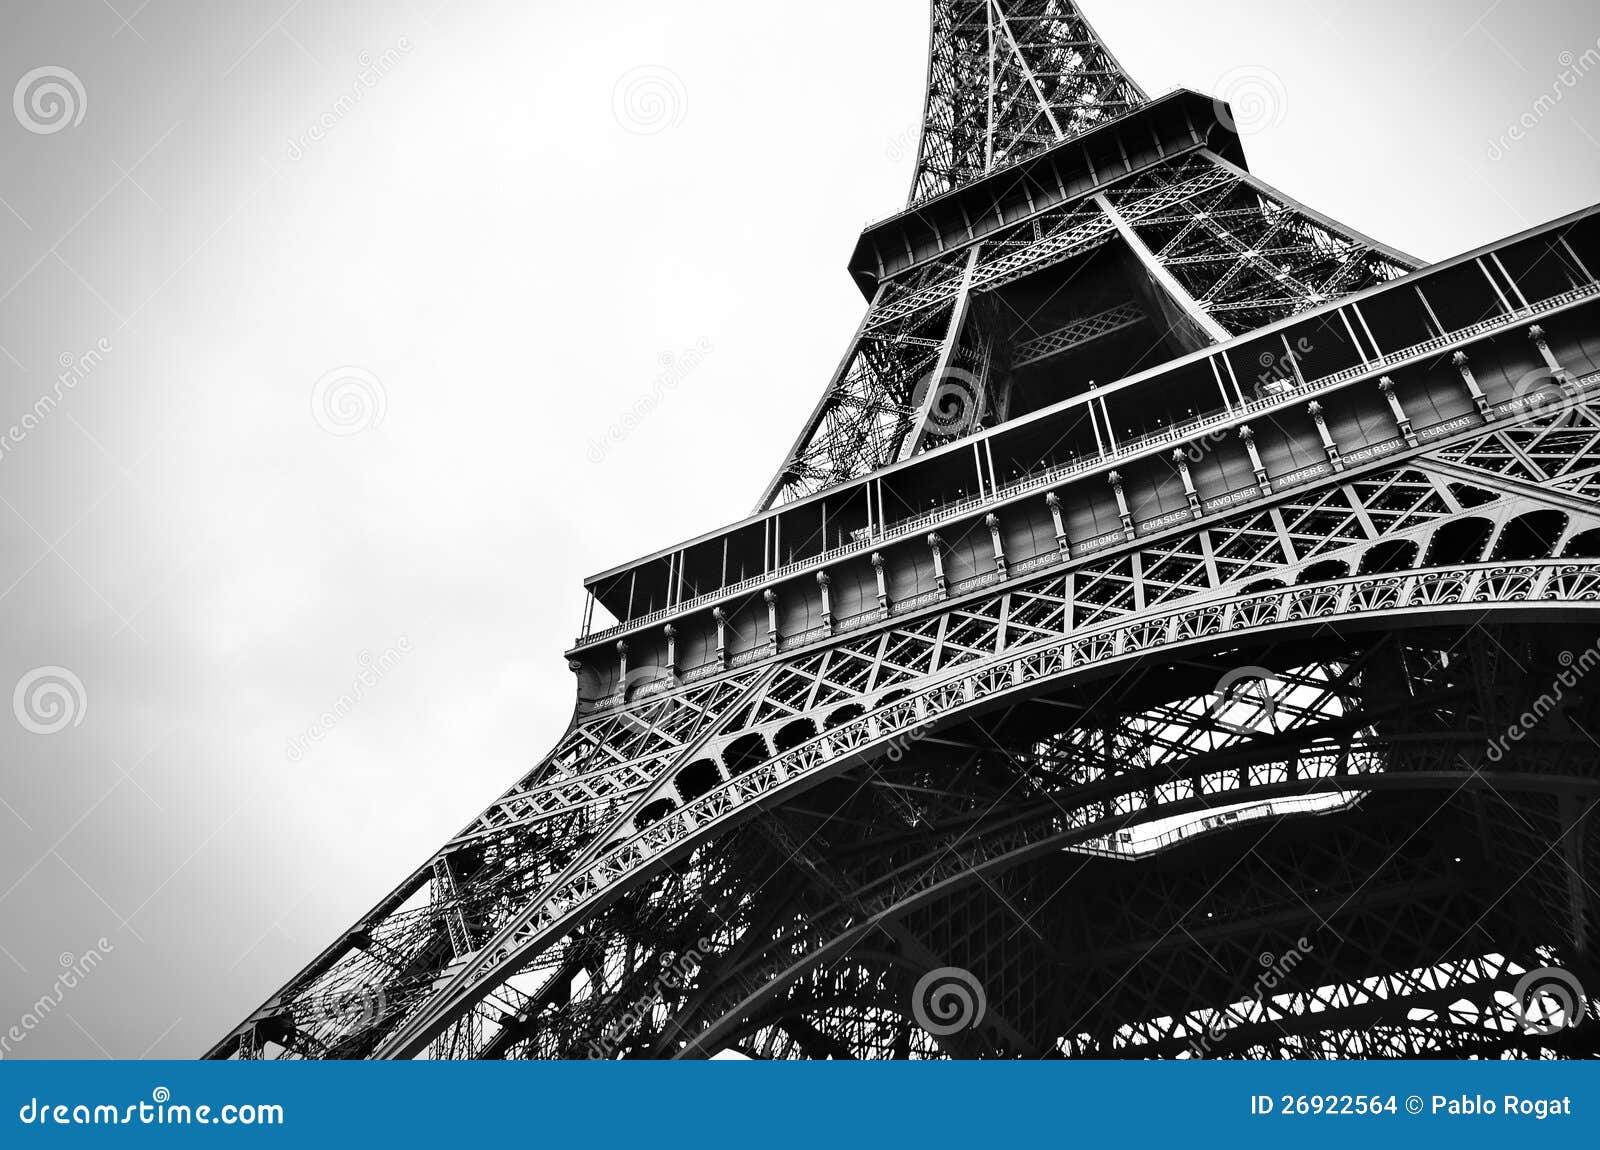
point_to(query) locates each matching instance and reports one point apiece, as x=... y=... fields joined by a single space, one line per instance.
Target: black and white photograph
x=878 y=531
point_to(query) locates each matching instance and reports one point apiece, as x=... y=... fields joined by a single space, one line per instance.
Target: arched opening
x=1258 y=585
x=654 y=813
x=1389 y=557
x=1460 y=542
x=1583 y=545
x=698 y=778
x=842 y=715
x=891 y=697
x=744 y=752
x=1530 y=536
x=1324 y=571
x=793 y=733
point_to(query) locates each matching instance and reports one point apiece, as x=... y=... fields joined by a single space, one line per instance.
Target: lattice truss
x=1007 y=79
x=1250 y=257
x=1060 y=710
x=800 y=935
x=1247 y=255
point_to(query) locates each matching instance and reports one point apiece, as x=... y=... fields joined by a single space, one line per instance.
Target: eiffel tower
x=1173 y=633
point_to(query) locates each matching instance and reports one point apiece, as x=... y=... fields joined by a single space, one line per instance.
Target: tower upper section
x=1007 y=79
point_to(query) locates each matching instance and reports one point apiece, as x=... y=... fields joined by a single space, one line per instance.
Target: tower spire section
x=1007 y=79
x=1055 y=208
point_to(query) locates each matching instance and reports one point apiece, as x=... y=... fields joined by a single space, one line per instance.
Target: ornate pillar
x=1053 y=501
x=1559 y=373
x=934 y=543
x=672 y=649
x=1115 y=479
x=721 y=617
x=622 y=665
x=992 y=522
x=883 y=587
x=1386 y=385
x=1263 y=484
x=1478 y=398
x=1181 y=458
x=827 y=603
x=1314 y=409
x=771 y=597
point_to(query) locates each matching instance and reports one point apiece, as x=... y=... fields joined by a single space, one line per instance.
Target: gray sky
x=527 y=221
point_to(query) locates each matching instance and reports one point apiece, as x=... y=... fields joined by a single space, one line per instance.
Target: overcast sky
x=350 y=379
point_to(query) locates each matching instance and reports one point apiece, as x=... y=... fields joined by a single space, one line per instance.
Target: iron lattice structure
x=1172 y=625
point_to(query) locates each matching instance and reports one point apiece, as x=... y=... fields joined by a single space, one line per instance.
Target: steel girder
x=510 y=894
